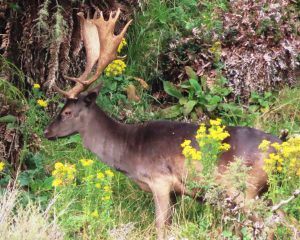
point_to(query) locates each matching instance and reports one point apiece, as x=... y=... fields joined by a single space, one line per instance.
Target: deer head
x=101 y=46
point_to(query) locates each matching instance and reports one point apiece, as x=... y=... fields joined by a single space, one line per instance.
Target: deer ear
x=92 y=94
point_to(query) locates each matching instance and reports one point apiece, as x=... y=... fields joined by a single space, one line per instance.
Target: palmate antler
x=101 y=45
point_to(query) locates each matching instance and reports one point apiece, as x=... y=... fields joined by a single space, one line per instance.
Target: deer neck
x=105 y=137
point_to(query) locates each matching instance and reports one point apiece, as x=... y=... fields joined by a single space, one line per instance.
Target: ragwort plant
x=84 y=190
x=283 y=168
x=210 y=145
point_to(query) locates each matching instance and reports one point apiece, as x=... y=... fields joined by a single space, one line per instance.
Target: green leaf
x=210 y=108
x=232 y=109
x=215 y=100
x=171 y=112
x=182 y=101
x=8 y=119
x=196 y=86
x=24 y=179
x=268 y=94
x=172 y=90
x=190 y=72
x=188 y=107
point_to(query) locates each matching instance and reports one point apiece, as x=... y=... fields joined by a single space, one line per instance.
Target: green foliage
x=195 y=97
x=158 y=22
x=114 y=100
x=284 y=113
x=11 y=91
x=86 y=199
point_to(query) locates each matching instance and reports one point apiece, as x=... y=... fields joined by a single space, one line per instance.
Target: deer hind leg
x=161 y=193
x=256 y=183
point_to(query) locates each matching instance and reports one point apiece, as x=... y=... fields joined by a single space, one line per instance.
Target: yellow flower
x=98 y=185
x=275 y=145
x=115 y=68
x=42 y=103
x=86 y=162
x=225 y=147
x=106 y=198
x=122 y=44
x=95 y=214
x=186 y=143
x=57 y=182
x=264 y=146
x=218 y=133
x=2 y=165
x=36 y=85
x=63 y=174
x=216 y=122
x=109 y=173
x=279 y=168
x=100 y=175
x=58 y=165
x=201 y=132
x=107 y=188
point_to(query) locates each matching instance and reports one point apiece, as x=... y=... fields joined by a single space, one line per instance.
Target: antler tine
x=108 y=42
x=62 y=92
x=91 y=42
x=102 y=47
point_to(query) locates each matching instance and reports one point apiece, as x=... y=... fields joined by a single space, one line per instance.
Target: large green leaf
x=171 y=112
x=188 y=107
x=172 y=90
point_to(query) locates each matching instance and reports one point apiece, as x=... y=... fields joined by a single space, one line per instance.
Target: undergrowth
x=129 y=212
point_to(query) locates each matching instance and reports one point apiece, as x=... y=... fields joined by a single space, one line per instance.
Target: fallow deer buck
x=149 y=153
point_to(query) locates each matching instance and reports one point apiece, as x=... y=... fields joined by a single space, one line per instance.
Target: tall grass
x=25 y=222
x=156 y=23
x=284 y=114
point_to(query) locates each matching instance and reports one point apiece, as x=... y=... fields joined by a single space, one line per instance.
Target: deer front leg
x=161 y=195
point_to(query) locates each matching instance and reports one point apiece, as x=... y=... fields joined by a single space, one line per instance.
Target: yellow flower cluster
x=216 y=47
x=63 y=174
x=2 y=165
x=109 y=173
x=42 y=103
x=115 y=68
x=107 y=189
x=36 y=86
x=216 y=133
x=95 y=214
x=122 y=44
x=189 y=152
x=86 y=162
x=106 y=198
x=285 y=159
x=213 y=135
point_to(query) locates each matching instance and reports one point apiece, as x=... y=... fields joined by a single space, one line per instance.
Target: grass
x=285 y=113
x=157 y=23
x=29 y=222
